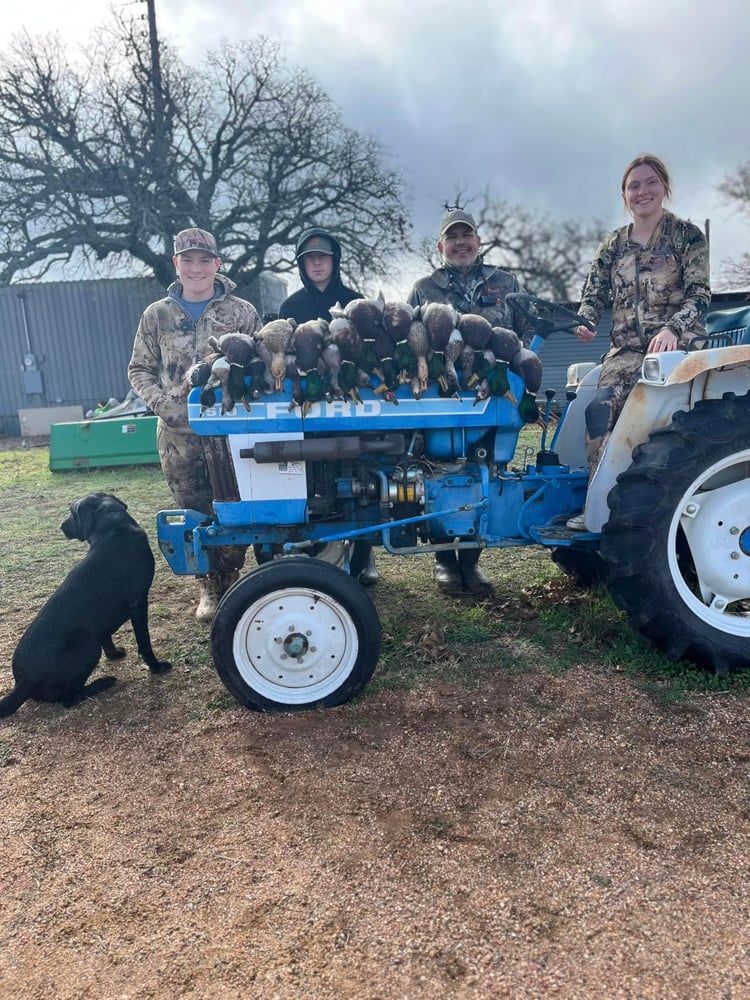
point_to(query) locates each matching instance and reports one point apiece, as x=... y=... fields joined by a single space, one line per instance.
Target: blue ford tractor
x=667 y=512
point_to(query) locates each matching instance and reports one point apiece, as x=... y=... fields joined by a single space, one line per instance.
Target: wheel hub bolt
x=734 y=531
x=691 y=508
x=735 y=555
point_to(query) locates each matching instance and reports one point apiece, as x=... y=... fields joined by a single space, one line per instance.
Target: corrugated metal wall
x=69 y=343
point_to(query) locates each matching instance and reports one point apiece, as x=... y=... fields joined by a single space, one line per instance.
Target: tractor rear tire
x=584 y=566
x=677 y=543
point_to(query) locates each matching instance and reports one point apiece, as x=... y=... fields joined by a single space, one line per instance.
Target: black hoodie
x=309 y=302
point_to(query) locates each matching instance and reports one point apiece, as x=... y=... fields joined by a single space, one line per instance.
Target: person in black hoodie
x=318 y=256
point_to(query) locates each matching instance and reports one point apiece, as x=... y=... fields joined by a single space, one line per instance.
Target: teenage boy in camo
x=172 y=335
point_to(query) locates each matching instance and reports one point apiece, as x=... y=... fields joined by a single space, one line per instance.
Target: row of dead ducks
x=369 y=338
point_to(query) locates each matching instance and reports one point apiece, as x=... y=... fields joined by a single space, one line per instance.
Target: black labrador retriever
x=62 y=646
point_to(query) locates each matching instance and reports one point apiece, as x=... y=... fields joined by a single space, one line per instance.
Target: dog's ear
x=91 y=514
x=82 y=512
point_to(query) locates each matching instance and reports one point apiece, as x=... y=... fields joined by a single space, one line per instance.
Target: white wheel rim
x=714 y=514
x=295 y=646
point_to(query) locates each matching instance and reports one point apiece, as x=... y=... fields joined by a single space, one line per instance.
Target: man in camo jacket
x=172 y=335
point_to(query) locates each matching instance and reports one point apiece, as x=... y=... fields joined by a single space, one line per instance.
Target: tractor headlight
x=651 y=370
x=576 y=374
x=658 y=367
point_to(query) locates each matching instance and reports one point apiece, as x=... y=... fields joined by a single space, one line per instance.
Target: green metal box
x=96 y=443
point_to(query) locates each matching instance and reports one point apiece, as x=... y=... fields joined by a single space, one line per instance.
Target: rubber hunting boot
x=448 y=574
x=210 y=595
x=474 y=579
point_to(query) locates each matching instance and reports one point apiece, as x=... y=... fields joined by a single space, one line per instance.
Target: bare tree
x=733 y=275
x=736 y=189
x=550 y=258
x=102 y=159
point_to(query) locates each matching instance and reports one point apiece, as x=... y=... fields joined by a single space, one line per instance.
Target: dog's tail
x=13 y=701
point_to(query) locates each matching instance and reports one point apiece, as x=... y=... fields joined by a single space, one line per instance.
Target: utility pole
x=156 y=74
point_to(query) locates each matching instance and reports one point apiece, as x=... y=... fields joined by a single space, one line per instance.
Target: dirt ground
x=532 y=835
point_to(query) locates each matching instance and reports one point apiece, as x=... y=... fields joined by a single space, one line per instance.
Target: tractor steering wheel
x=547 y=317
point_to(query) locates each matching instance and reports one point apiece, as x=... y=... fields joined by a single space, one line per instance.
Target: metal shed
x=69 y=343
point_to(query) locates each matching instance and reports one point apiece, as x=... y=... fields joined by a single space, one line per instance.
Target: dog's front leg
x=111 y=651
x=139 y=620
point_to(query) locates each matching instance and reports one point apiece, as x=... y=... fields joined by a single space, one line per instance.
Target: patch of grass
x=537 y=620
x=439 y=828
x=220 y=703
x=603 y=881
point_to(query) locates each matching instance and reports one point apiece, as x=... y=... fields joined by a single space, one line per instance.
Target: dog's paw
x=115 y=652
x=159 y=666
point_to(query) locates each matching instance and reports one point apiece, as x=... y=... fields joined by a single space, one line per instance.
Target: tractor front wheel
x=295 y=634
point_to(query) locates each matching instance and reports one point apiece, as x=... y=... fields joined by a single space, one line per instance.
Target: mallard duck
x=466 y=364
x=397 y=317
x=259 y=378
x=349 y=380
x=453 y=351
x=484 y=362
x=475 y=330
x=504 y=342
x=294 y=375
x=387 y=388
x=527 y=364
x=274 y=340
x=314 y=389
x=369 y=362
x=219 y=378
x=366 y=315
x=308 y=340
x=199 y=373
x=495 y=383
x=331 y=360
x=441 y=319
x=239 y=348
x=341 y=331
x=418 y=341
x=406 y=362
x=529 y=410
x=436 y=370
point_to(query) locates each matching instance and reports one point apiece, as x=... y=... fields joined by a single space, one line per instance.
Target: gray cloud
x=542 y=101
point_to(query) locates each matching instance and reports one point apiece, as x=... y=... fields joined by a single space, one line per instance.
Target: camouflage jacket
x=481 y=291
x=168 y=342
x=664 y=283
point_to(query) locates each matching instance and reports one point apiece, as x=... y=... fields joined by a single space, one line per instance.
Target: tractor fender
x=701 y=375
x=717 y=361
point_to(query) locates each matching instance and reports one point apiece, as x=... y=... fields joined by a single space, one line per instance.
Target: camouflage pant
x=619 y=375
x=186 y=472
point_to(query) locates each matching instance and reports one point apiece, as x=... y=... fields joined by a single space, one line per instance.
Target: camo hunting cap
x=454 y=217
x=316 y=244
x=195 y=239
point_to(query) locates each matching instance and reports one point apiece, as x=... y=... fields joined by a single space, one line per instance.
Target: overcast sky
x=544 y=101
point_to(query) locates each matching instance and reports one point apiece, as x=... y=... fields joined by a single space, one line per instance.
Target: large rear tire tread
x=585 y=567
x=635 y=540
